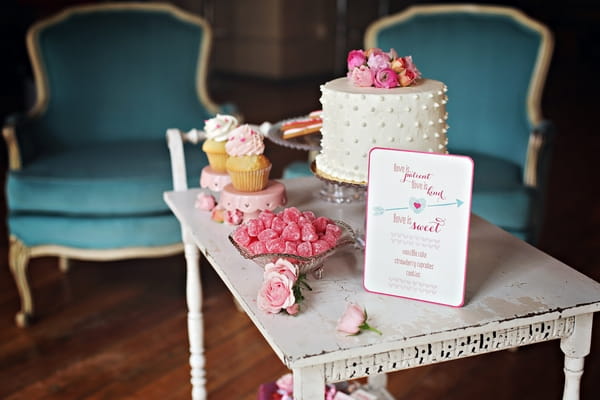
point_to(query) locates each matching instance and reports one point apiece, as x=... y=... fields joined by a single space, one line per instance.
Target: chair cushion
x=96 y=232
x=101 y=179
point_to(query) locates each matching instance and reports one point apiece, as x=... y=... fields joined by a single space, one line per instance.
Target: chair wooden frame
x=536 y=84
x=19 y=253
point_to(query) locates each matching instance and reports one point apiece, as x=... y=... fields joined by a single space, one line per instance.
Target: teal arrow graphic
x=378 y=210
x=458 y=203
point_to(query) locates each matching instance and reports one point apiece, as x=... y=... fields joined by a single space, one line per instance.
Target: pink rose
x=361 y=76
x=351 y=320
x=378 y=60
x=234 y=217
x=386 y=78
x=356 y=58
x=286 y=383
x=354 y=320
x=276 y=293
x=205 y=202
x=282 y=267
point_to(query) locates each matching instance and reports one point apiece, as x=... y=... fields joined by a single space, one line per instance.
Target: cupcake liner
x=217 y=161
x=250 y=181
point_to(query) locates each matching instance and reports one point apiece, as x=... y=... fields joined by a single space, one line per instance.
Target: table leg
x=309 y=383
x=195 y=321
x=576 y=347
x=378 y=381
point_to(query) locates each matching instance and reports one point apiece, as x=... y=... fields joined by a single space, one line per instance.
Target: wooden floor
x=117 y=330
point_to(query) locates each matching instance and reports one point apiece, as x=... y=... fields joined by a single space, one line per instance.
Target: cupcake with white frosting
x=217 y=131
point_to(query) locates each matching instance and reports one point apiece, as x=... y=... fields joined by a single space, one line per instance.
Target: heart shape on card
x=417 y=205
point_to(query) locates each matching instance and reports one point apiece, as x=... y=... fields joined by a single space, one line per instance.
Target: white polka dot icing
x=404 y=118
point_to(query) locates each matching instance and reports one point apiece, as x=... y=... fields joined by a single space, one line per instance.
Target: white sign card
x=417 y=225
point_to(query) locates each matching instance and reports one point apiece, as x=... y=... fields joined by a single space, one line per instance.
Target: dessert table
x=515 y=295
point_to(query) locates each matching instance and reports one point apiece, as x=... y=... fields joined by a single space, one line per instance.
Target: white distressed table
x=516 y=295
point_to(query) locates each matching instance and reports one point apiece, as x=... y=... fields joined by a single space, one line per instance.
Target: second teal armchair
x=494 y=61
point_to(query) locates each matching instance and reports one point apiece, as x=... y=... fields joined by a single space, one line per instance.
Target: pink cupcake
x=246 y=165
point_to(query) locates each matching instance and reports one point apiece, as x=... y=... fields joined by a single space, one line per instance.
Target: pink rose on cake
x=361 y=76
x=386 y=78
x=378 y=60
x=355 y=59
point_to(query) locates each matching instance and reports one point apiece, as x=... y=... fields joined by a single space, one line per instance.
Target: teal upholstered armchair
x=89 y=163
x=494 y=61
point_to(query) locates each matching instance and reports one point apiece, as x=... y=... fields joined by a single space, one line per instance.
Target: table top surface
x=508 y=282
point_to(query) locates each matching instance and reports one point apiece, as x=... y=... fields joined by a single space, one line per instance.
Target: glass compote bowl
x=313 y=264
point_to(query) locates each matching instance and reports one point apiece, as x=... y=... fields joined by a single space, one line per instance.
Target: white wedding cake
x=358 y=118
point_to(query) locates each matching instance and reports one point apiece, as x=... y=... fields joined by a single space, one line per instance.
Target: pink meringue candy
x=205 y=202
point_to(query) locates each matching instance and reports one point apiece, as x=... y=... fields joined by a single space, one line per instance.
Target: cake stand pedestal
x=252 y=203
x=213 y=180
x=339 y=192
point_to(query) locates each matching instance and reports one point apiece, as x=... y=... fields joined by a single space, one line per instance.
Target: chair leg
x=18 y=260
x=64 y=264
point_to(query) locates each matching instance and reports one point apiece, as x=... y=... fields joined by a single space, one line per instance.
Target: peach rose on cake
x=410 y=72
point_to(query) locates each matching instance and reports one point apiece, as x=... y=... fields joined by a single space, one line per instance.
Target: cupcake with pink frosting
x=217 y=131
x=247 y=165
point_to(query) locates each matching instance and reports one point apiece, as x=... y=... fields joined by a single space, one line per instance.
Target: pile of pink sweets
x=290 y=231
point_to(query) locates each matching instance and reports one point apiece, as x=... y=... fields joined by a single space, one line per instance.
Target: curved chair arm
x=538 y=152
x=175 y=139
x=15 y=131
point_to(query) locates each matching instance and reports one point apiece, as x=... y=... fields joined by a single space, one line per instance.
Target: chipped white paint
x=516 y=295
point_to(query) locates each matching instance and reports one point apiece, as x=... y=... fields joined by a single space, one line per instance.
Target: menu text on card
x=417 y=226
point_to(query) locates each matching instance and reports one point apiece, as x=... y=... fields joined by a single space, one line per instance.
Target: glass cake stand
x=339 y=192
